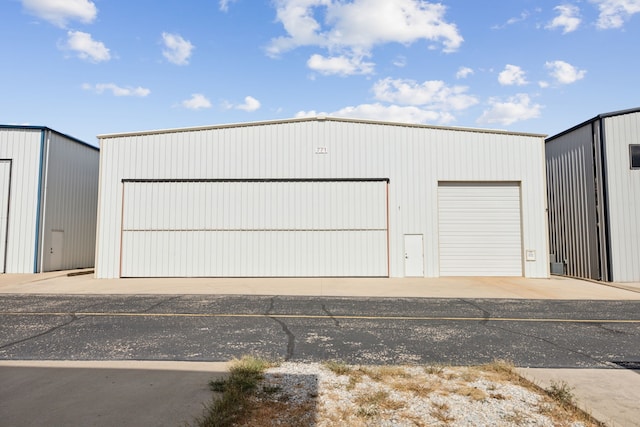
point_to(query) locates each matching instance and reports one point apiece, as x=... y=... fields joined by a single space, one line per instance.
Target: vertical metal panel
x=480 y=229
x=22 y=147
x=623 y=191
x=571 y=181
x=5 y=192
x=414 y=158
x=70 y=203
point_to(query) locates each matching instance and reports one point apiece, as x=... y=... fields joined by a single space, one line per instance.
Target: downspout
x=36 y=252
x=605 y=201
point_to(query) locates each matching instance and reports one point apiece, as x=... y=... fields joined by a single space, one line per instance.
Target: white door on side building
x=55 y=252
x=5 y=184
x=480 y=229
x=413 y=255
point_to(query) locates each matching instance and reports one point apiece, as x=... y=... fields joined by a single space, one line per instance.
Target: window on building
x=634 y=154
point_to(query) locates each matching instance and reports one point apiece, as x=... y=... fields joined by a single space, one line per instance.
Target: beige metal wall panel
x=260 y=253
x=70 y=204
x=23 y=148
x=571 y=182
x=254 y=228
x=623 y=192
x=413 y=158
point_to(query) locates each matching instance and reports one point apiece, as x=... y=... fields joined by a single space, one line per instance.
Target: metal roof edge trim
x=45 y=128
x=319 y=119
x=596 y=118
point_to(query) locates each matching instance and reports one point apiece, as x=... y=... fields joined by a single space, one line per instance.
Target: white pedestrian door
x=56 y=250
x=413 y=255
x=5 y=183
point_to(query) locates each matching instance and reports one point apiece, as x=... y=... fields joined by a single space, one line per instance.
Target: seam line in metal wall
x=133 y=230
x=260 y=180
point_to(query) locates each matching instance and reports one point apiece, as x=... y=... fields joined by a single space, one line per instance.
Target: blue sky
x=88 y=67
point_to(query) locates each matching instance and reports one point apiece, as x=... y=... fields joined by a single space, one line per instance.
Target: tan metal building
x=322 y=197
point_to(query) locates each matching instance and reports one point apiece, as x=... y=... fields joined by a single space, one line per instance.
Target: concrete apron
x=445 y=287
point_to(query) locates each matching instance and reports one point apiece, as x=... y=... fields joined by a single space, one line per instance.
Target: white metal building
x=48 y=200
x=593 y=174
x=322 y=197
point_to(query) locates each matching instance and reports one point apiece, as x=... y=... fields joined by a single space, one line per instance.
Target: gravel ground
x=322 y=395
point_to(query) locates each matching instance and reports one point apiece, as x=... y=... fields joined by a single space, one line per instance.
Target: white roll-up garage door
x=254 y=228
x=479 y=229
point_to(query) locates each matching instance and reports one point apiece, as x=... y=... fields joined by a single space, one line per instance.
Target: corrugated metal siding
x=413 y=158
x=70 y=202
x=623 y=190
x=257 y=228
x=571 y=184
x=22 y=146
x=480 y=229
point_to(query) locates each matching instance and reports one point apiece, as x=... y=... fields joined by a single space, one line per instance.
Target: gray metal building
x=593 y=178
x=48 y=200
x=322 y=197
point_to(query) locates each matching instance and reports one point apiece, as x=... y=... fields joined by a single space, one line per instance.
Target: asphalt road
x=530 y=333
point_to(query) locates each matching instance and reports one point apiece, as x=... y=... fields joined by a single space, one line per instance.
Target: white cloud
x=59 y=12
x=523 y=16
x=514 y=109
x=512 y=75
x=400 y=61
x=433 y=93
x=177 y=50
x=250 y=104
x=352 y=29
x=392 y=113
x=87 y=48
x=224 y=4
x=564 y=73
x=613 y=13
x=341 y=65
x=197 y=102
x=568 y=18
x=464 y=72
x=117 y=90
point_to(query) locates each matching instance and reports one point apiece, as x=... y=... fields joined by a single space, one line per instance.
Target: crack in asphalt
x=485 y=314
x=553 y=344
x=331 y=316
x=291 y=338
x=158 y=304
x=48 y=331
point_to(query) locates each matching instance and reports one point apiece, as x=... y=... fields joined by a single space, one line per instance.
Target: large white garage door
x=254 y=228
x=5 y=185
x=479 y=229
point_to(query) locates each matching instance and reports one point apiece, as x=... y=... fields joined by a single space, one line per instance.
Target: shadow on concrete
x=89 y=396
